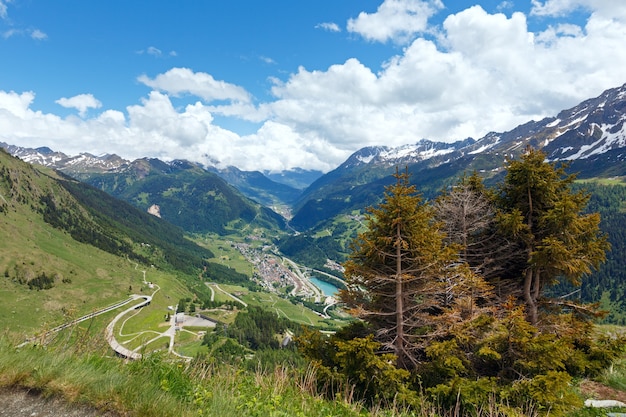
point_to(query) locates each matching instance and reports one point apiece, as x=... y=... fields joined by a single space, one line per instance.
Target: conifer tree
x=401 y=276
x=544 y=214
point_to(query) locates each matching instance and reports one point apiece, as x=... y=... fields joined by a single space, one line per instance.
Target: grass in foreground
x=158 y=386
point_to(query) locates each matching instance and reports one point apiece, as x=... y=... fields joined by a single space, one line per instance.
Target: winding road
x=109 y=331
x=119 y=349
x=174 y=323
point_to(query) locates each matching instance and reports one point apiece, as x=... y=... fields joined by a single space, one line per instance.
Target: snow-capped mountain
x=593 y=130
x=405 y=154
x=589 y=136
x=82 y=163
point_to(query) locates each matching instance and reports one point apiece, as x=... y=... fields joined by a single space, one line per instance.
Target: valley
x=155 y=324
x=56 y=288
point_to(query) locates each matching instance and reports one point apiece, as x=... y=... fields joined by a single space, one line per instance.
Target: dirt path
x=22 y=403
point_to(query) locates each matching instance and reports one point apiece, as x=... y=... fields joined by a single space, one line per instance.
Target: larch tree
x=402 y=277
x=540 y=209
x=469 y=216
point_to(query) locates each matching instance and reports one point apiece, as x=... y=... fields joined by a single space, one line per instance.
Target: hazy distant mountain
x=182 y=192
x=297 y=178
x=259 y=187
x=269 y=189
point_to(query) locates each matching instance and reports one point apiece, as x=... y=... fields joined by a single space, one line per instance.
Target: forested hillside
x=608 y=284
x=93 y=217
x=188 y=196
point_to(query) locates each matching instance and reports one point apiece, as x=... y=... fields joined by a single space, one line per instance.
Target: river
x=327 y=288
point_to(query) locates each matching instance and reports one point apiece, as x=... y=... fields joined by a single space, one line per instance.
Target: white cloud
x=11 y=32
x=16 y=104
x=156 y=52
x=3 y=10
x=505 y=5
x=243 y=111
x=557 y=8
x=397 y=20
x=153 y=51
x=38 y=35
x=486 y=73
x=267 y=60
x=81 y=102
x=35 y=34
x=184 y=81
x=153 y=128
x=328 y=26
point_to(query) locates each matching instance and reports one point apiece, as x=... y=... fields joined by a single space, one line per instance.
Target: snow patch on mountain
x=417 y=151
x=365 y=159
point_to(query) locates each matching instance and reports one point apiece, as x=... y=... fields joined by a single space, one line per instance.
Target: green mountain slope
x=608 y=284
x=67 y=248
x=186 y=195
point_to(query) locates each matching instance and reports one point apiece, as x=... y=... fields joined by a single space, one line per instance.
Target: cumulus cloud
x=152 y=128
x=81 y=102
x=16 y=104
x=328 y=26
x=486 y=72
x=397 y=20
x=179 y=81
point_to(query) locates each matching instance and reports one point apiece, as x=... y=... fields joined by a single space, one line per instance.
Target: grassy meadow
x=85 y=278
x=83 y=372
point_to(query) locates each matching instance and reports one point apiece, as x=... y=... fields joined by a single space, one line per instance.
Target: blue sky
x=284 y=84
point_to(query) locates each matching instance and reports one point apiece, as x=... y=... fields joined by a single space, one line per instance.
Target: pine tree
x=545 y=216
x=402 y=278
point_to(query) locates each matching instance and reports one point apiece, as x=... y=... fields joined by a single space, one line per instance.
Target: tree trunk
x=530 y=272
x=528 y=296
x=537 y=285
x=399 y=342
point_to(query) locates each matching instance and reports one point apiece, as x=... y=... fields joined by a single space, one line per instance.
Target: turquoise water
x=327 y=288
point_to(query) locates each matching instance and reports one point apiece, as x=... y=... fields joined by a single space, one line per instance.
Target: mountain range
x=590 y=136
